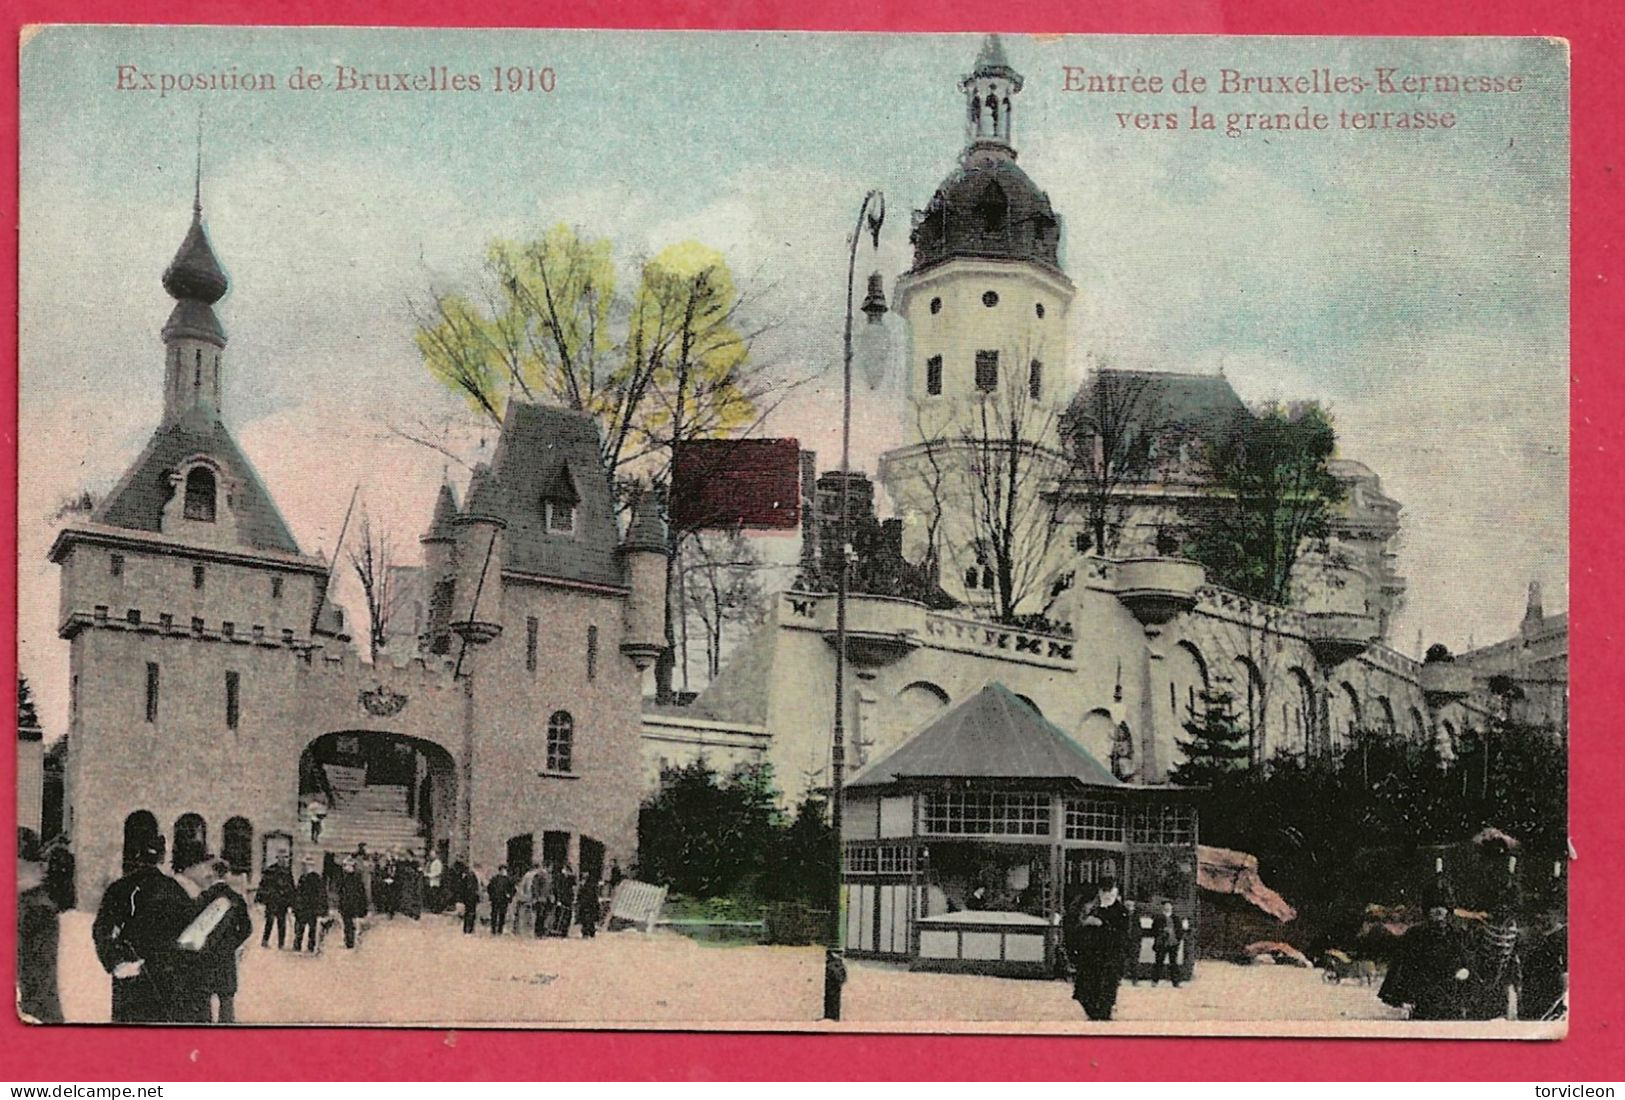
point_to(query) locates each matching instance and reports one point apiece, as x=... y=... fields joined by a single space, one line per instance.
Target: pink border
x=1599 y=592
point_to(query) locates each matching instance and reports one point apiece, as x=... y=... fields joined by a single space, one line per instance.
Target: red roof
x=734 y=483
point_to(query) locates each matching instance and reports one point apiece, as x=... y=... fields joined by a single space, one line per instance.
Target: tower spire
x=197 y=178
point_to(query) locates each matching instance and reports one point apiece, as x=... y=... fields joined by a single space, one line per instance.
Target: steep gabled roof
x=992 y=735
x=538 y=443
x=137 y=501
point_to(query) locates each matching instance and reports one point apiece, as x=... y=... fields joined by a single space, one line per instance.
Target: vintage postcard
x=794 y=531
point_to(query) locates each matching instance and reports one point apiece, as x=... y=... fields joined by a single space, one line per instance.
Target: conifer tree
x=1217 y=745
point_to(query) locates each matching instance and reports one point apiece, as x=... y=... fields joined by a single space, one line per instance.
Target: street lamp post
x=871 y=216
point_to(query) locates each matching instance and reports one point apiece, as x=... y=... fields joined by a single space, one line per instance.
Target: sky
x=1414 y=282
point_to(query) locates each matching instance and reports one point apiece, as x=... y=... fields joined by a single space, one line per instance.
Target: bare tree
x=721 y=587
x=995 y=463
x=1108 y=434
x=372 y=557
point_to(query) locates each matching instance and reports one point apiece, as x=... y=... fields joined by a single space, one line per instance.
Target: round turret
x=645 y=549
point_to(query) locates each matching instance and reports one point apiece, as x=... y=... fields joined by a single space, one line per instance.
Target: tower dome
x=988 y=208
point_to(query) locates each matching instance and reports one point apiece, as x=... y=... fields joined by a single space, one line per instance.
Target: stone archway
x=389 y=791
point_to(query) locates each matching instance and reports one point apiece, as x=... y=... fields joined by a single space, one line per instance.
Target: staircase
x=372 y=814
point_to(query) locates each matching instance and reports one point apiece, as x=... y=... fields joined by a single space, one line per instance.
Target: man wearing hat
x=276 y=894
x=1098 y=943
x=309 y=905
x=135 y=932
x=222 y=945
x=1430 y=967
x=37 y=932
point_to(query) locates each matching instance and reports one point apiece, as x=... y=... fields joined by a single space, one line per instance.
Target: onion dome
x=194 y=274
x=648 y=530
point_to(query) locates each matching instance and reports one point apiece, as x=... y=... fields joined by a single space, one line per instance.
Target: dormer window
x=200 y=492
x=559 y=501
x=561 y=518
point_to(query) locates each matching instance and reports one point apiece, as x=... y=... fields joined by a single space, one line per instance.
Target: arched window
x=1385 y=715
x=140 y=831
x=1254 y=709
x=1352 y=718
x=1187 y=681
x=191 y=837
x=200 y=490
x=1123 y=766
x=1301 y=714
x=237 y=845
x=1098 y=734
x=197 y=368
x=561 y=733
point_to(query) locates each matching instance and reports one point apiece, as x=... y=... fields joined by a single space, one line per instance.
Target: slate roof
x=991 y=735
x=137 y=501
x=1205 y=404
x=538 y=444
x=988 y=209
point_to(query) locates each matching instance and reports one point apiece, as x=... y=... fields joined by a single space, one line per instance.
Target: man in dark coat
x=386 y=883
x=1098 y=945
x=59 y=872
x=276 y=895
x=352 y=893
x=1167 y=933
x=217 y=958
x=135 y=931
x=309 y=907
x=588 y=908
x=409 y=887
x=1430 y=967
x=500 y=891
x=564 y=897
x=37 y=935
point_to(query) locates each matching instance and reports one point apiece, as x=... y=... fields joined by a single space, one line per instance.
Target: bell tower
x=985 y=305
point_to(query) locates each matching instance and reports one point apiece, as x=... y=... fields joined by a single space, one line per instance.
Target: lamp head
x=877 y=216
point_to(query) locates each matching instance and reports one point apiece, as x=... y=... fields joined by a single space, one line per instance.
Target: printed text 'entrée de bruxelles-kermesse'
x=1404 y=113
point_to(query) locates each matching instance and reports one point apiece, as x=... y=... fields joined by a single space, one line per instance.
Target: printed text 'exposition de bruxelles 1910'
x=338 y=78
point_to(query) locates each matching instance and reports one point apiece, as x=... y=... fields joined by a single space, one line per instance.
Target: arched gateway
x=389 y=791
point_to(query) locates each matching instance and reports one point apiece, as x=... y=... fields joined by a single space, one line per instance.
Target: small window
x=229 y=629
x=1035 y=379
x=276 y=588
x=166 y=620
x=561 y=517
x=197 y=576
x=987 y=371
x=233 y=702
x=152 y=692
x=990 y=299
x=197 y=368
x=933 y=375
x=115 y=565
x=936 y=305
x=987 y=578
x=1038 y=308
x=197 y=625
x=592 y=653
x=73 y=698
x=199 y=495
x=561 y=730
x=133 y=616
x=1082 y=542
x=532 y=630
